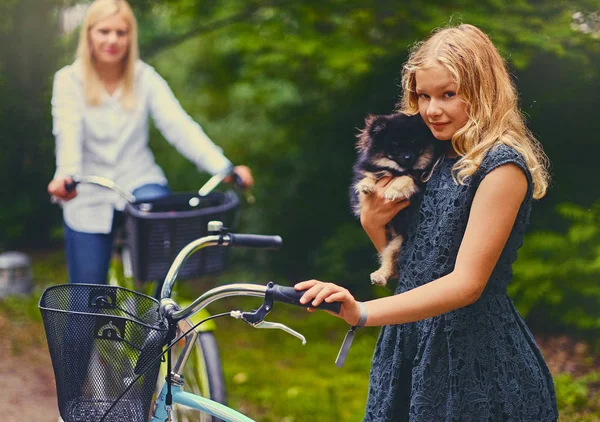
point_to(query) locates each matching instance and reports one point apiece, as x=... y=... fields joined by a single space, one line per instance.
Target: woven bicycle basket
x=159 y=229
x=101 y=338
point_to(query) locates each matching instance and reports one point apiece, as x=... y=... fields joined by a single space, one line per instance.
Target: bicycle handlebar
x=207 y=188
x=221 y=238
x=100 y=181
x=254 y=241
x=292 y=296
x=216 y=239
x=282 y=294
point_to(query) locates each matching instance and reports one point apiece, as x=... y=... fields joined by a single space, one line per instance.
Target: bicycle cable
x=149 y=365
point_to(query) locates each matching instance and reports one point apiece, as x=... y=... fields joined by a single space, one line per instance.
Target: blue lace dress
x=477 y=363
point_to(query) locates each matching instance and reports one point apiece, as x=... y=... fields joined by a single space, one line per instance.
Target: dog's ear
x=377 y=126
x=374 y=127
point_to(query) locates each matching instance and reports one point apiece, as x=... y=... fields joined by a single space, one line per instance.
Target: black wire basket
x=101 y=338
x=158 y=230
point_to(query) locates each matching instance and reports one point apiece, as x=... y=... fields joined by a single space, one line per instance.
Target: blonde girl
x=452 y=345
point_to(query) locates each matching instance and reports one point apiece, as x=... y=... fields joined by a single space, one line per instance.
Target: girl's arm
x=66 y=103
x=180 y=129
x=493 y=213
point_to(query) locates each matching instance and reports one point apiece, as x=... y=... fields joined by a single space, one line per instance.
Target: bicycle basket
x=100 y=339
x=157 y=231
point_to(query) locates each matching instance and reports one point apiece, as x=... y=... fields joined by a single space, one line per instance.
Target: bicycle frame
x=195 y=402
x=161 y=413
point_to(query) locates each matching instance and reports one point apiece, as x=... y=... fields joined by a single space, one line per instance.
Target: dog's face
x=398 y=141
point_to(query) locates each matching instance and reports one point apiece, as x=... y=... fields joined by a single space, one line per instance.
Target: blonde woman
x=453 y=347
x=100 y=108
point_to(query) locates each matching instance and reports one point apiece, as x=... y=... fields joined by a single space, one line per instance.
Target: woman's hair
x=99 y=10
x=492 y=101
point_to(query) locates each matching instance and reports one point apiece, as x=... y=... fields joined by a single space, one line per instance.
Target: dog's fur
x=400 y=146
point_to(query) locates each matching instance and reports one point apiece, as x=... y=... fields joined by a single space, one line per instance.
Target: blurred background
x=282 y=86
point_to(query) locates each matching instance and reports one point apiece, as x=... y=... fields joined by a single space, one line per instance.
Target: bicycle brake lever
x=277 y=325
x=250 y=318
x=257 y=318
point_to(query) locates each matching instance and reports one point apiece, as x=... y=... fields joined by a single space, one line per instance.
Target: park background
x=282 y=86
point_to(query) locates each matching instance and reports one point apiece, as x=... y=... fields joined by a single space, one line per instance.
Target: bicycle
x=171 y=222
x=152 y=325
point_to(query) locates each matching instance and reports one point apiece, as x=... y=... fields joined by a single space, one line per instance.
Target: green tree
x=557 y=273
x=284 y=85
x=28 y=57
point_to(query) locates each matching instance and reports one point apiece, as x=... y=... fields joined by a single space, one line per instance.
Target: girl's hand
x=245 y=175
x=318 y=291
x=376 y=210
x=56 y=188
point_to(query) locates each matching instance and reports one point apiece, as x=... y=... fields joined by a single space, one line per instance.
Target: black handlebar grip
x=292 y=296
x=255 y=241
x=70 y=186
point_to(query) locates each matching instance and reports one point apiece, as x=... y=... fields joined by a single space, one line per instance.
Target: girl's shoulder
x=502 y=154
x=145 y=71
x=142 y=67
x=69 y=80
x=73 y=71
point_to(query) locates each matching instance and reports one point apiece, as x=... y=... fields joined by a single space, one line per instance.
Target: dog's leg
x=366 y=185
x=357 y=207
x=388 y=257
x=401 y=187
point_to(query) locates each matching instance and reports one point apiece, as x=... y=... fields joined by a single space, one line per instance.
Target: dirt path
x=26 y=372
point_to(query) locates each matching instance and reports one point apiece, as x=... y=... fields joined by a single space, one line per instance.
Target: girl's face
x=442 y=108
x=109 y=40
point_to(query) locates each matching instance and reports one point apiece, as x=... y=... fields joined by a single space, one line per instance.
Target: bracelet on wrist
x=343 y=353
x=362 y=319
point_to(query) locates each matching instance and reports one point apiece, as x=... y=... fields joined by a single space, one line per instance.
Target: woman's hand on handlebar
x=58 y=188
x=318 y=291
x=244 y=175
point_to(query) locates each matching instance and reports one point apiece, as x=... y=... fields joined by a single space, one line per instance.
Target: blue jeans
x=88 y=254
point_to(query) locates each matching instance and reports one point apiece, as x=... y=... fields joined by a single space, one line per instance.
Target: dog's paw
x=401 y=188
x=366 y=186
x=409 y=190
x=379 y=278
x=393 y=194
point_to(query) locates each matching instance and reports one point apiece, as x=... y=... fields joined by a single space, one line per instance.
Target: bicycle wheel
x=203 y=375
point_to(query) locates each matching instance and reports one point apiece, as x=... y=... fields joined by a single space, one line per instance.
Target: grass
x=269 y=374
x=273 y=377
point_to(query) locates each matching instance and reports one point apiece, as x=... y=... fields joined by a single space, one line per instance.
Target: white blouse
x=110 y=141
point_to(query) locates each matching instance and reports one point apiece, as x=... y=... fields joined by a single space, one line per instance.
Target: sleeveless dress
x=477 y=363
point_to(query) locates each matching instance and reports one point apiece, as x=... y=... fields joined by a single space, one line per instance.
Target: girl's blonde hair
x=492 y=102
x=99 y=10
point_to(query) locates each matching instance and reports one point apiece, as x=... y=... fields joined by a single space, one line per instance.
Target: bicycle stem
x=184 y=254
x=168 y=306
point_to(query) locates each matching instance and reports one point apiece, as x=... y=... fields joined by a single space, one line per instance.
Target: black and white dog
x=400 y=146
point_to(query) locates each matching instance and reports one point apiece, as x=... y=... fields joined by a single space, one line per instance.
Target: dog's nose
x=405 y=159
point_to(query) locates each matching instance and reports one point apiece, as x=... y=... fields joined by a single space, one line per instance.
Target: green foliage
x=27 y=61
x=557 y=273
x=22 y=308
x=283 y=86
x=574 y=395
